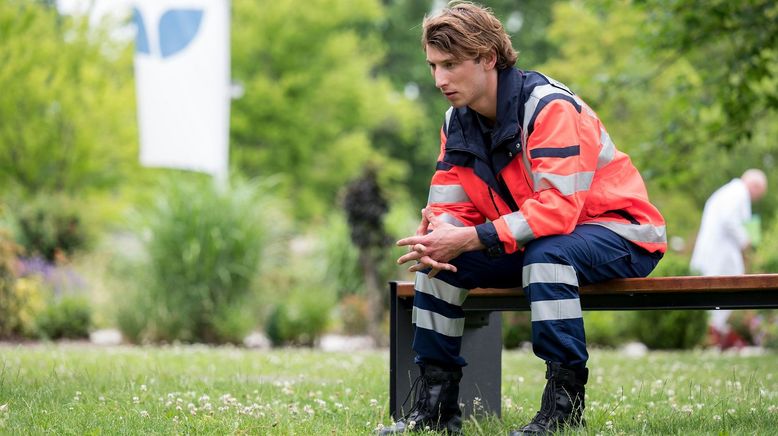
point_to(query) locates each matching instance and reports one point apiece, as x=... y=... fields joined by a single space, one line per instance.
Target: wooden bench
x=482 y=340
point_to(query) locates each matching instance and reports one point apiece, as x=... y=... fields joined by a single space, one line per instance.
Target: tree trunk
x=374 y=297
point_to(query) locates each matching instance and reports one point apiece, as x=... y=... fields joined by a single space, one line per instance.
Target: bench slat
x=686 y=284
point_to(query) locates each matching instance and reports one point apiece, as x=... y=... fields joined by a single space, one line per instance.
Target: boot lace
x=547 y=403
x=419 y=389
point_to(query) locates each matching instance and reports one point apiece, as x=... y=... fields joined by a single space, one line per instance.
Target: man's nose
x=441 y=78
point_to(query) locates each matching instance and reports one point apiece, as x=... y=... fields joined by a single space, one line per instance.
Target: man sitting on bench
x=529 y=190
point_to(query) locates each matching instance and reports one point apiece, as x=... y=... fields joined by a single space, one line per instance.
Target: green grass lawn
x=87 y=390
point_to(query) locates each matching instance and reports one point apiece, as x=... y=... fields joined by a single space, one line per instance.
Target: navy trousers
x=550 y=270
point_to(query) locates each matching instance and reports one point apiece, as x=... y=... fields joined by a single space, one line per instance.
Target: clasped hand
x=436 y=242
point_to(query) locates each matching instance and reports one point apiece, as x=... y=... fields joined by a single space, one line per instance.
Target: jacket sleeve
x=561 y=168
x=447 y=197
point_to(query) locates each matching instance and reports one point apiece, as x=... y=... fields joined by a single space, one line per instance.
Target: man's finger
x=431 y=217
x=412 y=255
x=409 y=241
x=428 y=262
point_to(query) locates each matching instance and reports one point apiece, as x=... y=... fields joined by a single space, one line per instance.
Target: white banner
x=182 y=75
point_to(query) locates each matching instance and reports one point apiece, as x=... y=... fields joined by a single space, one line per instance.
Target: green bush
x=670 y=329
x=770 y=333
x=672 y=264
x=67 y=317
x=516 y=328
x=8 y=274
x=52 y=227
x=299 y=320
x=354 y=311
x=204 y=246
x=765 y=257
x=607 y=328
x=342 y=257
x=26 y=304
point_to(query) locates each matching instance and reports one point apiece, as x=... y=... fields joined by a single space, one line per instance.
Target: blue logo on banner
x=177 y=29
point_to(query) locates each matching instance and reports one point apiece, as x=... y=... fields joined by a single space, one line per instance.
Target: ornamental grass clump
x=203 y=246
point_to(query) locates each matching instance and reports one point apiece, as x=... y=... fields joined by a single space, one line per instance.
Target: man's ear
x=489 y=60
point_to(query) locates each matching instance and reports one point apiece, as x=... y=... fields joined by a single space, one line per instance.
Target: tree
x=67 y=116
x=366 y=207
x=314 y=100
x=733 y=45
x=656 y=104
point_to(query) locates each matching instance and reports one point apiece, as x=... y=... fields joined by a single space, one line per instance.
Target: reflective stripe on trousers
x=550 y=270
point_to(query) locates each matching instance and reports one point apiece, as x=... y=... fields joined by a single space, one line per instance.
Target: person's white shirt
x=722 y=236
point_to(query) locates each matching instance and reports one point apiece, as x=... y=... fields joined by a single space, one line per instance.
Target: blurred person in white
x=727 y=230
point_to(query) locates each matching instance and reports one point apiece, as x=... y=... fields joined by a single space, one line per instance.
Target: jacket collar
x=509 y=86
x=464 y=131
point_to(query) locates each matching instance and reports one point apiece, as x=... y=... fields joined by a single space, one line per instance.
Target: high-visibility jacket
x=545 y=166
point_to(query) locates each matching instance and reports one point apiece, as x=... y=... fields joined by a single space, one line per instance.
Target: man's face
x=463 y=83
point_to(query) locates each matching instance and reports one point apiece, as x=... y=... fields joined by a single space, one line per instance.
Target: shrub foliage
x=204 y=246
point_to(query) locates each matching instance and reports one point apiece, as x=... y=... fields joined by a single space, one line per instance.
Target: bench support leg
x=481 y=347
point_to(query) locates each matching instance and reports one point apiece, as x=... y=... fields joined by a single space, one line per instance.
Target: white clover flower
x=716 y=418
x=373 y=402
x=609 y=425
x=101 y=398
x=144 y=414
x=204 y=398
x=143 y=388
x=411 y=424
x=731 y=411
x=135 y=400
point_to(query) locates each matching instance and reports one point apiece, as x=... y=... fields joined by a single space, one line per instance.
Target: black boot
x=436 y=406
x=562 y=403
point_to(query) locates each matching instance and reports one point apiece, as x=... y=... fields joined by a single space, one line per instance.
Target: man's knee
x=549 y=249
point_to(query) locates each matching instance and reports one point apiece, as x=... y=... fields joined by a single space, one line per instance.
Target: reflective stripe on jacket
x=546 y=166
